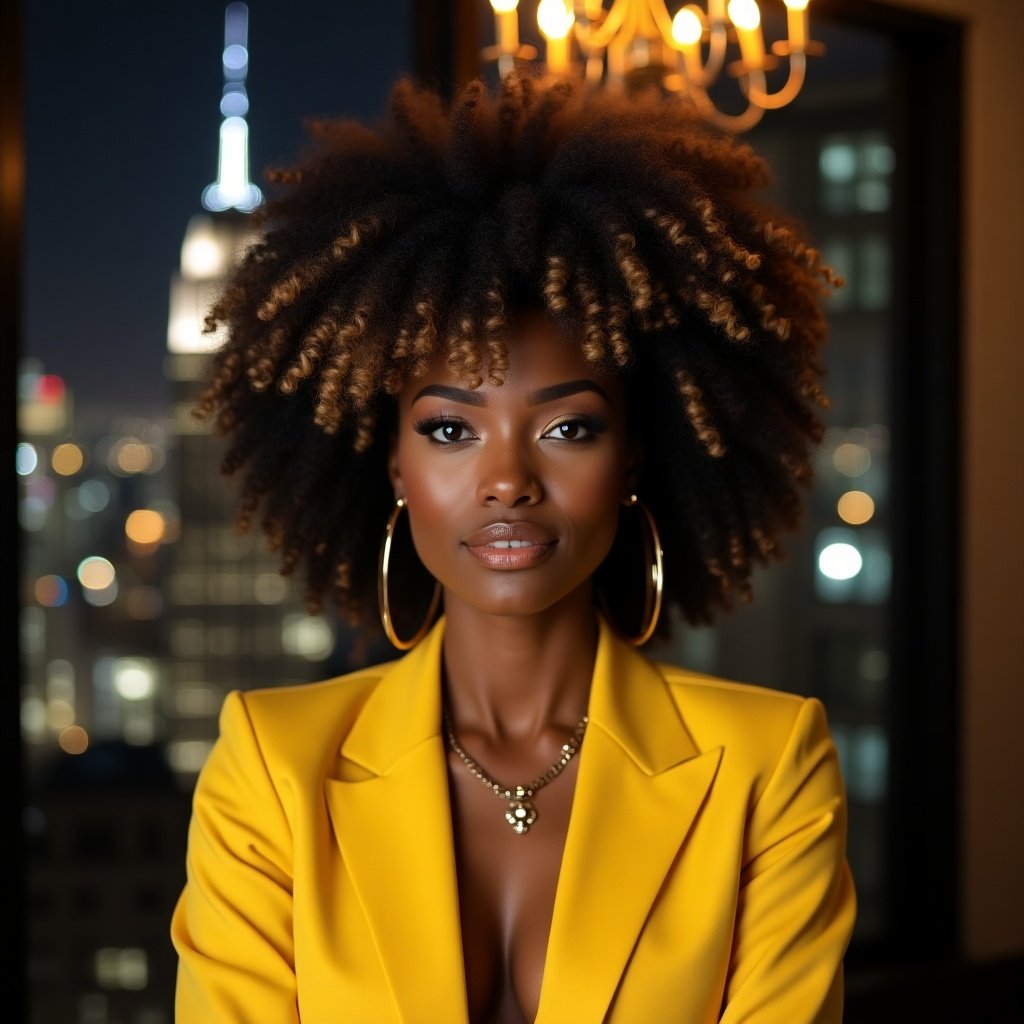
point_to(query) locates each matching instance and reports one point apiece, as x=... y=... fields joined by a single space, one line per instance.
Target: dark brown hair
x=629 y=219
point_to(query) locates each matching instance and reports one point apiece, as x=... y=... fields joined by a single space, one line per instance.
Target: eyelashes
x=457 y=431
x=593 y=425
x=432 y=424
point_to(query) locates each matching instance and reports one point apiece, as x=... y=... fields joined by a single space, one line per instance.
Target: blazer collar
x=640 y=785
x=404 y=708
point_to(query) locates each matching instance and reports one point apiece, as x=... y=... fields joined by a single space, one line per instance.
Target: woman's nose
x=507 y=477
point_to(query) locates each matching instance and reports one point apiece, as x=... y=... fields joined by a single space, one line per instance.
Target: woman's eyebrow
x=538 y=397
x=454 y=394
x=570 y=387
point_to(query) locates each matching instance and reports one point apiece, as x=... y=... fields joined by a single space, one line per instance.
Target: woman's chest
x=507 y=884
x=388 y=926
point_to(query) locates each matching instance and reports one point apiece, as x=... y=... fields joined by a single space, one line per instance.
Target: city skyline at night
x=122 y=117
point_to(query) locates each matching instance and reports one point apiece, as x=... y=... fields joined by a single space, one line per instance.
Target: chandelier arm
x=758 y=95
x=662 y=20
x=737 y=122
x=690 y=63
x=718 y=43
x=599 y=38
x=731 y=122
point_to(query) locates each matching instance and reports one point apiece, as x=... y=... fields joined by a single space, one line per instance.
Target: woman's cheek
x=433 y=497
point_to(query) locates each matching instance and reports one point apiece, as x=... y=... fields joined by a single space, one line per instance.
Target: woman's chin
x=516 y=599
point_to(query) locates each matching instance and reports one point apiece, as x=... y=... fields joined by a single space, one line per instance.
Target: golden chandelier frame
x=637 y=41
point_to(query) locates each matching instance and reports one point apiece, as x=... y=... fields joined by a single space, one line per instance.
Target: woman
x=552 y=335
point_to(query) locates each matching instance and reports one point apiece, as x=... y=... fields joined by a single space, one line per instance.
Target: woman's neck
x=511 y=677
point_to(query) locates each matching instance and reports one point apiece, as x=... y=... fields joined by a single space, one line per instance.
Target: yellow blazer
x=704 y=876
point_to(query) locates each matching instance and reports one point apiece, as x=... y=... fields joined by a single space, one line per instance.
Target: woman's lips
x=510 y=545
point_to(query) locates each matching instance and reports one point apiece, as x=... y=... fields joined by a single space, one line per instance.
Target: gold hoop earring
x=382 y=588
x=654 y=572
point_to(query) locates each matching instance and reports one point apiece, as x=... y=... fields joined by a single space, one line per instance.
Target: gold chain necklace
x=520 y=814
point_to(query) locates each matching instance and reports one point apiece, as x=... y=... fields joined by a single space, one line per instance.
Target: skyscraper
x=233 y=621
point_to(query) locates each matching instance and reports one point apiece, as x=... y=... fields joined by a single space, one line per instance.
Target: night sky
x=121 y=124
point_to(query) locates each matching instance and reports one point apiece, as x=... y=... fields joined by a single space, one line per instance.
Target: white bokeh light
x=26 y=458
x=135 y=678
x=840 y=561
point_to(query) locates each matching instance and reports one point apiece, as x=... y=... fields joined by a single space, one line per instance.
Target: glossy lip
x=541 y=544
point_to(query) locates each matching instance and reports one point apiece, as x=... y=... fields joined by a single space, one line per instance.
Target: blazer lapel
x=640 y=785
x=393 y=826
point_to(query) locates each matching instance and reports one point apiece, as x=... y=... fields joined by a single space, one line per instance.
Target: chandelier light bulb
x=687 y=28
x=507 y=22
x=745 y=15
x=555 y=18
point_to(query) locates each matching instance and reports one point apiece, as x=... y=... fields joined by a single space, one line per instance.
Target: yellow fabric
x=704 y=876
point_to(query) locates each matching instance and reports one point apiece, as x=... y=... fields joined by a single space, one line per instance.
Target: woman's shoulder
x=299 y=720
x=312 y=696
x=705 y=687
x=721 y=711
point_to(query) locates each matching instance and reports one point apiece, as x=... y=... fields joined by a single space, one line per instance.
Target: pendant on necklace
x=520 y=815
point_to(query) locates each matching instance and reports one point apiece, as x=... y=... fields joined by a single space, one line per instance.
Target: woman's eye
x=570 y=430
x=448 y=432
x=443 y=431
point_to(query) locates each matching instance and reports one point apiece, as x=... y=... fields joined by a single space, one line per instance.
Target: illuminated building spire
x=233 y=189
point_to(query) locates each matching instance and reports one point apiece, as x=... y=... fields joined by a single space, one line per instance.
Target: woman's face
x=514 y=491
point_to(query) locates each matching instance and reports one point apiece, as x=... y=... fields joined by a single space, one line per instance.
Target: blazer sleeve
x=232 y=924
x=797 y=902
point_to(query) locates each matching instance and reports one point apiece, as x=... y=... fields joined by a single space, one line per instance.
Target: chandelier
x=638 y=42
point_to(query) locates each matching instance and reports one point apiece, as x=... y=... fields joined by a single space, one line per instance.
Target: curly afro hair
x=628 y=218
